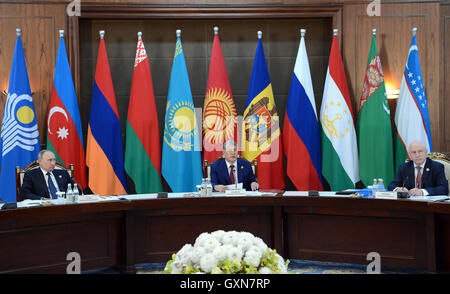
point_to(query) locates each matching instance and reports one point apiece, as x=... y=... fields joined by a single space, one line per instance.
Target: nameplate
x=385 y=195
x=235 y=192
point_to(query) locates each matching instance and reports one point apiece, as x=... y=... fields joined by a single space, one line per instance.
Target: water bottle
x=76 y=193
x=69 y=194
x=203 y=188
x=208 y=187
x=380 y=184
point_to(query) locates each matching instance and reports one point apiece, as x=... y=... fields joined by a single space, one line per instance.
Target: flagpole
x=101 y=33
x=302 y=33
x=374 y=32
x=178 y=33
x=18 y=32
x=335 y=32
x=259 y=34
x=414 y=31
x=139 y=34
x=216 y=30
x=61 y=33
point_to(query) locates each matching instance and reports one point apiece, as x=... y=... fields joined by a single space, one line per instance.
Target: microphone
x=403 y=194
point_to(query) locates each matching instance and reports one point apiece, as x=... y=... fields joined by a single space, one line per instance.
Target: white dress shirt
x=235 y=170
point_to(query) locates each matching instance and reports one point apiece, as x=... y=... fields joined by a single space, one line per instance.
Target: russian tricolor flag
x=104 y=152
x=301 y=138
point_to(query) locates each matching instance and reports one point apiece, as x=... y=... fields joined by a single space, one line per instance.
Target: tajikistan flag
x=339 y=147
x=411 y=116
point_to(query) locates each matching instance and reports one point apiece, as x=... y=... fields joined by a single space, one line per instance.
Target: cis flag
x=142 y=149
x=104 y=152
x=411 y=115
x=376 y=158
x=181 y=158
x=64 y=134
x=261 y=133
x=301 y=128
x=339 y=147
x=220 y=118
x=19 y=135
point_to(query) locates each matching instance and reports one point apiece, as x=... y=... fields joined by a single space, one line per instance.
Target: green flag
x=374 y=130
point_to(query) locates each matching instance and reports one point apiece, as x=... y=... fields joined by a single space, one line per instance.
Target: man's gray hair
x=420 y=143
x=229 y=142
x=42 y=152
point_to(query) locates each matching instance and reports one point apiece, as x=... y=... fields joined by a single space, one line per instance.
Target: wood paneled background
x=40 y=21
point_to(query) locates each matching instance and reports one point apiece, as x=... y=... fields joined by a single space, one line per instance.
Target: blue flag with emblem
x=19 y=134
x=181 y=160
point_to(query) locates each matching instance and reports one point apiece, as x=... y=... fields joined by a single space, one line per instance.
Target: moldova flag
x=142 y=149
x=301 y=128
x=64 y=134
x=19 y=136
x=104 y=152
x=181 y=158
x=261 y=133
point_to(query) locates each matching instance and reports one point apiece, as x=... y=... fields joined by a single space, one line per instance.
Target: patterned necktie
x=232 y=174
x=51 y=187
x=419 y=177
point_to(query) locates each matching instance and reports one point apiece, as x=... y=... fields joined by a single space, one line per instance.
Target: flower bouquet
x=229 y=252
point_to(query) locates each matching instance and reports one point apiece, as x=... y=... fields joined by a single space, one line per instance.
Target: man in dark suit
x=44 y=181
x=420 y=176
x=232 y=170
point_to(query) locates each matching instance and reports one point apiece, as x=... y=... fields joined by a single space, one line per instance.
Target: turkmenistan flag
x=142 y=149
x=376 y=159
x=339 y=148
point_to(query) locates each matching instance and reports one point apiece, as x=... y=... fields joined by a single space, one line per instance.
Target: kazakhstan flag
x=181 y=159
x=19 y=135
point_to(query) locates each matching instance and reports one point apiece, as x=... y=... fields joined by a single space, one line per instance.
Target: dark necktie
x=232 y=174
x=419 y=177
x=51 y=187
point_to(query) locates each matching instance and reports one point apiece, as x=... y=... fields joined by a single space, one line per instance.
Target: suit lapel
x=224 y=168
x=43 y=180
x=239 y=170
x=426 y=172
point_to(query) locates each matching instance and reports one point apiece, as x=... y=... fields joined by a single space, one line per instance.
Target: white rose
x=201 y=239
x=218 y=235
x=245 y=242
x=197 y=254
x=208 y=262
x=220 y=252
x=235 y=254
x=253 y=258
x=230 y=237
x=210 y=244
x=265 y=270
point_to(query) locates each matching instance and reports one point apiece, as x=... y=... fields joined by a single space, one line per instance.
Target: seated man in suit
x=44 y=181
x=421 y=175
x=232 y=170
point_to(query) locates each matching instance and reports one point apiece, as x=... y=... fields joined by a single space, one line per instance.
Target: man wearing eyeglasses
x=420 y=176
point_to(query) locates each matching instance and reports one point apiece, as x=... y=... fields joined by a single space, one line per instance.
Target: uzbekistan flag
x=142 y=149
x=104 y=152
x=411 y=115
x=339 y=147
x=19 y=135
x=219 y=120
x=301 y=138
x=261 y=133
x=64 y=134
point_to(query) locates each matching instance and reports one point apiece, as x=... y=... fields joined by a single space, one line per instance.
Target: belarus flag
x=339 y=147
x=301 y=138
x=411 y=115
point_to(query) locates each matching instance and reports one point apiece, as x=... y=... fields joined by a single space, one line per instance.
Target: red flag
x=219 y=117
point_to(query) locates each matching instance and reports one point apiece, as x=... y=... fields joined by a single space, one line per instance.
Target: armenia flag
x=181 y=158
x=64 y=134
x=104 y=151
x=261 y=133
x=411 y=115
x=19 y=134
x=301 y=138
x=142 y=149
x=339 y=147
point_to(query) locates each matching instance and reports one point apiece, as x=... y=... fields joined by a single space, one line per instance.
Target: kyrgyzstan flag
x=142 y=149
x=219 y=120
x=64 y=134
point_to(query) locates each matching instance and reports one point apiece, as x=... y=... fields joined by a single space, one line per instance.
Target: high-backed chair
x=442 y=158
x=21 y=172
x=207 y=166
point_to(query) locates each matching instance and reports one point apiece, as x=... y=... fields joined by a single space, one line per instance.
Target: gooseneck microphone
x=403 y=194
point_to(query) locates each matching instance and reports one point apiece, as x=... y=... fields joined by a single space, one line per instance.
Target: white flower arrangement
x=230 y=252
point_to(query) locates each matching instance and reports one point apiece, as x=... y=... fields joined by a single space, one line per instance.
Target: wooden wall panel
x=40 y=38
x=445 y=93
x=393 y=40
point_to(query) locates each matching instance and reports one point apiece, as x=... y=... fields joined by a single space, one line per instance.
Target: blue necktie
x=51 y=187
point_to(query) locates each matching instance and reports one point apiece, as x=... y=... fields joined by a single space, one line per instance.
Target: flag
x=339 y=147
x=142 y=149
x=411 y=115
x=261 y=133
x=301 y=138
x=374 y=131
x=219 y=117
x=104 y=151
x=64 y=134
x=181 y=158
x=19 y=141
